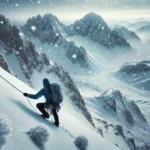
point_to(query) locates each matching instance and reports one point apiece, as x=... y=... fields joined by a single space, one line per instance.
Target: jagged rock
x=93 y=26
x=127 y=34
x=72 y=90
x=119 y=130
x=123 y=109
x=131 y=143
x=4 y=64
x=25 y=50
x=50 y=30
x=100 y=131
x=128 y=116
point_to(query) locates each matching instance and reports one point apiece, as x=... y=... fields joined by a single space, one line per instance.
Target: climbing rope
x=16 y=89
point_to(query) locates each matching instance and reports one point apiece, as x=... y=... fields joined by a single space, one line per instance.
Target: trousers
x=41 y=107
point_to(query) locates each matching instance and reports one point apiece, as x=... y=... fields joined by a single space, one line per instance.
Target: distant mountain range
x=136 y=74
x=127 y=34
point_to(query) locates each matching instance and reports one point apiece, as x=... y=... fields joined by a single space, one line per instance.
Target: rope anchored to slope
x=16 y=89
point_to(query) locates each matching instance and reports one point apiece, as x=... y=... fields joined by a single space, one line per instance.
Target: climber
x=53 y=96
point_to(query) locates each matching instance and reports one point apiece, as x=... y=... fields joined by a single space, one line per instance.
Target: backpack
x=56 y=93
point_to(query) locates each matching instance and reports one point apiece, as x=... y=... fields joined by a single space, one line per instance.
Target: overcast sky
x=74 y=9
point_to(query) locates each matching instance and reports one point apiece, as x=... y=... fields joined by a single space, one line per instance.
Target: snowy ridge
x=21 y=108
x=120 y=118
x=48 y=29
x=135 y=74
x=127 y=34
x=93 y=26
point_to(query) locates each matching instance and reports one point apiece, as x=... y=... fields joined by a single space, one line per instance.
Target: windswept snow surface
x=16 y=107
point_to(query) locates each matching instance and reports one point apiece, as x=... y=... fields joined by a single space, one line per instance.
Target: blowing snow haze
x=109 y=9
x=98 y=51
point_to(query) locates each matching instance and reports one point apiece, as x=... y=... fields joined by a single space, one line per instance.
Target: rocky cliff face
x=135 y=74
x=130 y=118
x=93 y=26
x=50 y=30
x=126 y=111
x=14 y=41
x=4 y=64
x=127 y=34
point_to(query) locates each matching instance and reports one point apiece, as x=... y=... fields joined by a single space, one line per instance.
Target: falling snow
x=33 y=28
x=17 y=5
x=57 y=34
x=74 y=56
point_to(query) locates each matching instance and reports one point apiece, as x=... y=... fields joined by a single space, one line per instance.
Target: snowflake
x=33 y=28
x=21 y=34
x=1 y=22
x=56 y=45
x=17 y=52
x=142 y=88
x=40 y=48
x=103 y=28
x=39 y=2
x=74 y=56
x=57 y=34
x=90 y=72
x=17 y=5
x=78 y=28
x=134 y=75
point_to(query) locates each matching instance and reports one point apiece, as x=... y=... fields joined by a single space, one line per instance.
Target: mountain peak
x=93 y=16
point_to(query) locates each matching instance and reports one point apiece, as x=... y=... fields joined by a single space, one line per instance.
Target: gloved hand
x=25 y=94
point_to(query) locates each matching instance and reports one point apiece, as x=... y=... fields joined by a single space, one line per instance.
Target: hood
x=45 y=82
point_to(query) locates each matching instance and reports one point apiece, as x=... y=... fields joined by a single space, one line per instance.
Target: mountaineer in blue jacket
x=47 y=93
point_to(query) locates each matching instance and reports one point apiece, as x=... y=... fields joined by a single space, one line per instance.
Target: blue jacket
x=44 y=92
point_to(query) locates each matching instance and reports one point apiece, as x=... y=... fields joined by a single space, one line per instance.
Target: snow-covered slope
x=136 y=74
x=120 y=116
x=31 y=66
x=23 y=117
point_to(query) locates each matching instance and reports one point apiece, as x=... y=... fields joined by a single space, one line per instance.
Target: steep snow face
x=48 y=29
x=60 y=138
x=127 y=34
x=93 y=26
x=136 y=74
